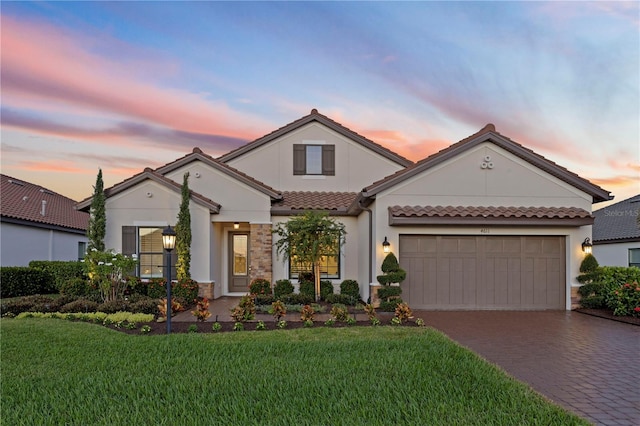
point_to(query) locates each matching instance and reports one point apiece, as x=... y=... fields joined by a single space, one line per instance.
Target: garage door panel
x=483 y=272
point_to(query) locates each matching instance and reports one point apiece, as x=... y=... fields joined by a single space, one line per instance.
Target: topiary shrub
x=389 y=291
x=393 y=273
x=389 y=305
x=282 y=287
x=260 y=286
x=307 y=288
x=350 y=288
x=326 y=288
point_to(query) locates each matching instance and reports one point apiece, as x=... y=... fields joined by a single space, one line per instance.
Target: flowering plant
x=625 y=300
x=107 y=271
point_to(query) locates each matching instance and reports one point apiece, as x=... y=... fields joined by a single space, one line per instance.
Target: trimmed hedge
x=61 y=271
x=308 y=288
x=24 y=281
x=282 y=288
x=350 y=288
x=326 y=289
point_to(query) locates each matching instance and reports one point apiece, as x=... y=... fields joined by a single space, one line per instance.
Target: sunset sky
x=126 y=85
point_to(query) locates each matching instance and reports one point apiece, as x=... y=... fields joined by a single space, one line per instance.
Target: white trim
x=314 y=177
x=150 y=223
x=313 y=142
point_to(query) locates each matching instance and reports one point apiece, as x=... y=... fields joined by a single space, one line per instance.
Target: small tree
x=309 y=237
x=97 y=217
x=183 y=234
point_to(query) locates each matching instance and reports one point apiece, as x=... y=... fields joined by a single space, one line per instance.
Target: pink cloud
x=56 y=166
x=46 y=64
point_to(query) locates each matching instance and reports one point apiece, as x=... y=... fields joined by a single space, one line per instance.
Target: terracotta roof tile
x=24 y=201
x=313 y=200
x=490 y=212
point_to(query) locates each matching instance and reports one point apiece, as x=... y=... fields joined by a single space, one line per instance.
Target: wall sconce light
x=236 y=225
x=386 y=245
x=587 y=247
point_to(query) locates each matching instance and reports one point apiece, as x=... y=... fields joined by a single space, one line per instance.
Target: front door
x=239 y=262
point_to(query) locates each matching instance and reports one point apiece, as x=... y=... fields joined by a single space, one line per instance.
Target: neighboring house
x=616 y=233
x=38 y=224
x=483 y=224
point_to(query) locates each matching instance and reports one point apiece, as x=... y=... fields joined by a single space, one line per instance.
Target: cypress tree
x=183 y=234
x=97 y=219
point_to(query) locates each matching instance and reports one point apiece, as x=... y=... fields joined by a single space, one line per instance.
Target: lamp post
x=169 y=243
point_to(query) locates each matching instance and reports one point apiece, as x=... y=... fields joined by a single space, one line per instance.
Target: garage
x=454 y=272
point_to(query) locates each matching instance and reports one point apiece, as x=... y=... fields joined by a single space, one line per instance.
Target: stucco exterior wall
x=356 y=166
x=614 y=254
x=22 y=244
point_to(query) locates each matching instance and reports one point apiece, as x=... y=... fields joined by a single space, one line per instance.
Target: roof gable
x=28 y=202
x=316 y=117
x=149 y=174
x=489 y=134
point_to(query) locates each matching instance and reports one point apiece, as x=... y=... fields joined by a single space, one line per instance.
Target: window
x=82 y=249
x=146 y=243
x=329 y=267
x=634 y=257
x=314 y=160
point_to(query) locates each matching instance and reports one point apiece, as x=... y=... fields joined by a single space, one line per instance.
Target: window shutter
x=128 y=240
x=299 y=159
x=329 y=160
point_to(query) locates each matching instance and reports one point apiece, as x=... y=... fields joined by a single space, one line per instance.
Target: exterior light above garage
x=386 y=245
x=236 y=225
x=587 y=246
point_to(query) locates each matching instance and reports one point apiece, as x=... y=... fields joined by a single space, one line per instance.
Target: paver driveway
x=588 y=365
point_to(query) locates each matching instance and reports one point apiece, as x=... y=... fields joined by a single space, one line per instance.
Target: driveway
x=588 y=365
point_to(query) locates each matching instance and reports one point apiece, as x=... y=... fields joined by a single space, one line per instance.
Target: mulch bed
x=608 y=314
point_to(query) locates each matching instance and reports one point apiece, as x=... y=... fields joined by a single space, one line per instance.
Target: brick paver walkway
x=588 y=365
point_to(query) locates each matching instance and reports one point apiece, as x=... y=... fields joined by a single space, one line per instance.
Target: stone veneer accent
x=261 y=249
x=575 y=297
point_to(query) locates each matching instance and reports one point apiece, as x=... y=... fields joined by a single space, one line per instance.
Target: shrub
x=282 y=288
x=307 y=288
x=192 y=328
x=326 y=288
x=80 y=305
x=216 y=326
x=592 y=295
x=238 y=326
x=245 y=310
x=589 y=264
x=114 y=306
x=24 y=281
x=278 y=310
x=176 y=306
x=389 y=305
x=202 y=310
x=389 y=291
x=297 y=299
x=260 y=286
x=344 y=299
x=393 y=273
x=61 y=271
x=307 y=313
x=187 y=289
x=145 y=305
x=339 y=312
x=260 y=325
x=264 y=299
x=625 y=300
x=156 y=288
x=370 y=311
x=76 y=287
x=403 y=312
x=350 y=288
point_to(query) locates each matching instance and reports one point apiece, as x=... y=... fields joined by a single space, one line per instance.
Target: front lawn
x=61 y=372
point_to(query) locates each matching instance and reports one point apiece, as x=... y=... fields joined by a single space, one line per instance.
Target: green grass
x=61 y=372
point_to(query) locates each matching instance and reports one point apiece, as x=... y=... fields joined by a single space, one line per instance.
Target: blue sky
x=126 y=85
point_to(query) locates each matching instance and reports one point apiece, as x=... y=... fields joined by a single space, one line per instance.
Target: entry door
x=239 y=262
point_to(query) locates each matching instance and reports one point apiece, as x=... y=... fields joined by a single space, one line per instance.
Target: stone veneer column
x=261 y=247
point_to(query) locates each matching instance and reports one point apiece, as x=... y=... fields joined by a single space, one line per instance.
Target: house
x=483 y=224
x=38 y=224
x=616 y=233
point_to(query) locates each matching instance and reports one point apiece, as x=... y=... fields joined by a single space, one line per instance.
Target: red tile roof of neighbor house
x=618 y=222
x=24 y=201
x=313 y=200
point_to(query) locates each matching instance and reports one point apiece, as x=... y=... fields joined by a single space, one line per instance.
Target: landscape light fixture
x=236 y=225
x=587 y=247
x=386 y=245
x=168 y=243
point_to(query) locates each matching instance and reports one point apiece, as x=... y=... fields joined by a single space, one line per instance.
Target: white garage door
x=483 y=272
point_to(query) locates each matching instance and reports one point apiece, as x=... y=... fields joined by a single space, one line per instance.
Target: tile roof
x=25 y=201
x=489 y=134
x=502 y=214
x=323 y=119
x=313 y=200
x=617 y=222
